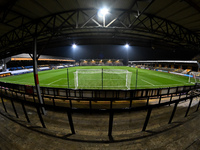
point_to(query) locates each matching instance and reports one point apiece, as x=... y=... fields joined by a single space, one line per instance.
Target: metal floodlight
x=103 y=12
x=74 y=45
x=127 y=46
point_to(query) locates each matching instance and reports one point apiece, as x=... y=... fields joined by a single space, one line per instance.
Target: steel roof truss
x=141 y=22
x=140 y=13
x=45 y=25
x=159 y=26
x=90 y=18
x=57 y=24
x=77 y=19
x=66 y=20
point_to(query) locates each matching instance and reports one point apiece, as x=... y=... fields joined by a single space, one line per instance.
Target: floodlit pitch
x=114 y=77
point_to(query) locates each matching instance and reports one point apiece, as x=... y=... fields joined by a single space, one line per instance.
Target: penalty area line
x=55 y=81
x=148 y=82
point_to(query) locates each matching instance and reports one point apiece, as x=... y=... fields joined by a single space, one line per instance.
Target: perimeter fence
x=26 y=96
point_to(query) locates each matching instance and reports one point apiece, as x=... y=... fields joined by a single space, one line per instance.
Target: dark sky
x=119 y=52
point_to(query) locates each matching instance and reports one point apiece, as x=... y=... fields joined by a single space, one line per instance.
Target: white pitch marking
x=171 y=78
x=147 y=82
x=55 y=81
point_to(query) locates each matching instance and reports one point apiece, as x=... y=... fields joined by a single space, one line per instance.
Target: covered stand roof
x=26 y=57
x=153 y=23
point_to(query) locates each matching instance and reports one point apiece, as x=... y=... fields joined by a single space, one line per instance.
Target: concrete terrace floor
x=92 y=130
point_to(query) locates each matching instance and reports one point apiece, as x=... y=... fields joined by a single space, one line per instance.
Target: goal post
x=102 y=79
x=193 y=78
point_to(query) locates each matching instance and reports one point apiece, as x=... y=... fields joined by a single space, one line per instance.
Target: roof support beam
x=36 y=78
x=140 y=13
x=90 y=18
x=56 y=25
x=193 y=4
x=7 y=9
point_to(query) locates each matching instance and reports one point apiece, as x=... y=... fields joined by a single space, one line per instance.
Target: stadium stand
x=175 y=65
x=5 y=74
x=22 y=71
x=186 y=72
x=101 y=62
x=29 y=69
x=24 y=61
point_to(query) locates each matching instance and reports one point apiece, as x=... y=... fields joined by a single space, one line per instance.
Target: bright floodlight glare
x=74 y=45
x=127 y=46
x=102 y=12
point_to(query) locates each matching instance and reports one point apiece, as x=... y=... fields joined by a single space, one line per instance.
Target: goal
x=193 y=77
x=102 y=79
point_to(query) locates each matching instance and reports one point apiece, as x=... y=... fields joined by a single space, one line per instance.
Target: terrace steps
x=91 y=130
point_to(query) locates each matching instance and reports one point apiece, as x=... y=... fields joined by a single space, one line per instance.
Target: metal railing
x=19 y=93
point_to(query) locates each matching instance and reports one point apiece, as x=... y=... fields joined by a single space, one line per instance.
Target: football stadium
x=99 y=74
x=106 y=77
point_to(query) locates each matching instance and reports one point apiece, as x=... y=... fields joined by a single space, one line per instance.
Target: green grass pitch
x=145 y=79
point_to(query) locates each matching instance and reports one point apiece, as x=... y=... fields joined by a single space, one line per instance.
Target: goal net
x=102 y=78
x=194 y=77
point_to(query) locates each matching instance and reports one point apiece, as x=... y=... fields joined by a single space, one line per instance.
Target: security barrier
x=18 y=93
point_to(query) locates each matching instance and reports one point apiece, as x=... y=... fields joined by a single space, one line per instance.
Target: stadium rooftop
x=151 y=23
x=26 y=57
x=164 y=61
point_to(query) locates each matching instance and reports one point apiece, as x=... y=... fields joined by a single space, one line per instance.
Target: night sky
x=119 y=52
